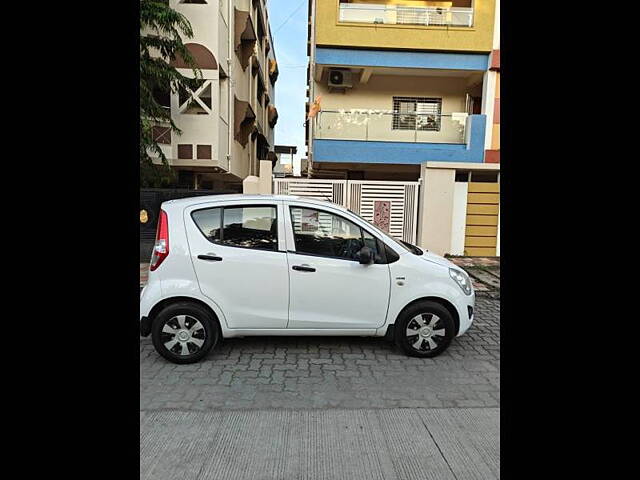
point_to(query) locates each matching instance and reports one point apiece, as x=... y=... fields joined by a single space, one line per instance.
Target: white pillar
x=436 y=209
x=265 y=185
x=488 y=104
x=250 y=185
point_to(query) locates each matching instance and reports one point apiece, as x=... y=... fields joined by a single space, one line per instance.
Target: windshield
x=406 y=246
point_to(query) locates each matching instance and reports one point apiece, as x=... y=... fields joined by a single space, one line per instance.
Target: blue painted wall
x=381 y=58
x=357 y=151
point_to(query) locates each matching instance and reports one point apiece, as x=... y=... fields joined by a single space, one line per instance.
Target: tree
x=160 y=43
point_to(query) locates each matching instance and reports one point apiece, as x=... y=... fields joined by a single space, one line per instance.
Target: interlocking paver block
x=330 y=372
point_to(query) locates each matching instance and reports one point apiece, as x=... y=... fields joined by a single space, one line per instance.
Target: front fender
x=412 y=281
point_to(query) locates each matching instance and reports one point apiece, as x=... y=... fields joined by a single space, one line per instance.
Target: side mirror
x=365 y=255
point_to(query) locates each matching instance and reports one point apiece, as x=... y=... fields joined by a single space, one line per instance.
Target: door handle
x=211 y=258
x=303 y=268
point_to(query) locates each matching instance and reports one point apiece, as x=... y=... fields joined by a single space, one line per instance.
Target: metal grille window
x=417 y=113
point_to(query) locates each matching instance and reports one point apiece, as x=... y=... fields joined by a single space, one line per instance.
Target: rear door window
x=253 y=227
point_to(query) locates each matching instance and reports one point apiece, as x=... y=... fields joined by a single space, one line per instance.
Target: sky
x=288 y=20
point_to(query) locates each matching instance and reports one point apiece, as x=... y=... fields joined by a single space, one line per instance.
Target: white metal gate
x=361 y=196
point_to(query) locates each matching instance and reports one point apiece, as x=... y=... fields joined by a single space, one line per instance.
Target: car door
x=237 y=250
x=329 y=288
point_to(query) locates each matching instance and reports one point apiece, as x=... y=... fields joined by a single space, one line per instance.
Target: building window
x=162 y=95
x=185 y=151
x=200 y=2
x=196 y=102
x=203 y=152
x=417 y=113
x=161 y=134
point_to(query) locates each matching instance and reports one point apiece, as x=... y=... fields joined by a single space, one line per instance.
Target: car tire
x=184 y=332
x=433 y=326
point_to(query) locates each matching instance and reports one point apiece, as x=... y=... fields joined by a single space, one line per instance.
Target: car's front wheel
x=424 y=329
x=184 y=332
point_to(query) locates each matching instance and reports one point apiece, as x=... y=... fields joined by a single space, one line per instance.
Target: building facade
x=409 y=90
x=228 y=122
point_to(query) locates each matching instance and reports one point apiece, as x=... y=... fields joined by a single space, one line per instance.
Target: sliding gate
x=391 y=206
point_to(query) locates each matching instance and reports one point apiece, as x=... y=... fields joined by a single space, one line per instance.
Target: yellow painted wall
x=379 y=91
x=478 y=38
x=407 y=3
x=483 y=202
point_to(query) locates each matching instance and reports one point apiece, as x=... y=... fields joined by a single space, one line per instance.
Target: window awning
x=273 y=70
x=272 y=115
x=244 y=121
x=244 y=36
x=202 y=57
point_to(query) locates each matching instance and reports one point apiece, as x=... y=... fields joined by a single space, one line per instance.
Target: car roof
x=187 y=201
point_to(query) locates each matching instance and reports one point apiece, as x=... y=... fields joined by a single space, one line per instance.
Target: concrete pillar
x=250 y=185
x=436 y=209
x=266 y=177
x=488 y=104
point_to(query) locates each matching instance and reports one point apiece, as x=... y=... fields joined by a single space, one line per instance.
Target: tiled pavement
x=144 y=274
x=476 y=261
x=334 y=372
x=325 y=407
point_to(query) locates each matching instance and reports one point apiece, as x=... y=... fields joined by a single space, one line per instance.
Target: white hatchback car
x=239 y=265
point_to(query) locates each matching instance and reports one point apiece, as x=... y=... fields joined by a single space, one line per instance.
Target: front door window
x=320 y=233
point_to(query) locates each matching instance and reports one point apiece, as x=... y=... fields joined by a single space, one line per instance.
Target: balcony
x=386 y=126
x=403 y=15
x=361 y=136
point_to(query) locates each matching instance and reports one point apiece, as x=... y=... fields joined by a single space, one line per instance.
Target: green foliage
x=162 y=30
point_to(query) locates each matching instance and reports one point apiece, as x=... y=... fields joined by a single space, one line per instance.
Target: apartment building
x=408 y=90
x=228 y=122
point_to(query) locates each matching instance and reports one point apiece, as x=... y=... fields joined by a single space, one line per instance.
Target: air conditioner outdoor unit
x=340 y=78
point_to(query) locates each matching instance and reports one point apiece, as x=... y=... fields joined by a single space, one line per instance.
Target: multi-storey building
x=227 y=122
x=409 y=90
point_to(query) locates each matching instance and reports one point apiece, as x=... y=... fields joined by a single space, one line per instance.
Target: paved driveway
x=325 y=407
x=334 y=372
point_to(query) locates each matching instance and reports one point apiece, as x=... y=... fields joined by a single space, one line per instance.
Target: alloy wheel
x=425 y=332
x=183 y=335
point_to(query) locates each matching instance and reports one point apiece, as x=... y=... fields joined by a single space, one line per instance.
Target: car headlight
x=462 y=279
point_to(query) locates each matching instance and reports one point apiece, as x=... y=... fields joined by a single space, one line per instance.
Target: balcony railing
x=401 y=15
x=389 y=126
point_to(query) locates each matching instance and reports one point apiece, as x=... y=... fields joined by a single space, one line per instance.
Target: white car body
x=256 y=292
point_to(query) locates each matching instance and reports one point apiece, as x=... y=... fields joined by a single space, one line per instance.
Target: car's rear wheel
x=424 y=329
x=184 y=332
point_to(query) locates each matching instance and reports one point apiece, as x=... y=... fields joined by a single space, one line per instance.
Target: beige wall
x=213 y=27
x=436 y=207
x=377 y=93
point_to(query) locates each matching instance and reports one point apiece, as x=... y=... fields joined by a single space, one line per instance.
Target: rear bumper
x=145 y=326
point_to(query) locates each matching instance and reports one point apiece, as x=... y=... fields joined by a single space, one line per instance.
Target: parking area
x=329 y=372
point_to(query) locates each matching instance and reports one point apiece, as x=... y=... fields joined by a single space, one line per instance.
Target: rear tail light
x=161 y=247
